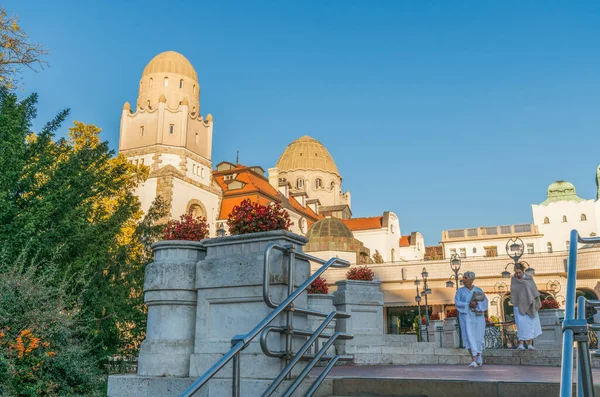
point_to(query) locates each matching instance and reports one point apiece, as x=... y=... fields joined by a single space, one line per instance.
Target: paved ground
x=487 y=373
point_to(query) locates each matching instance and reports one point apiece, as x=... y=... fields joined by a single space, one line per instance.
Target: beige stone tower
x=167 y=133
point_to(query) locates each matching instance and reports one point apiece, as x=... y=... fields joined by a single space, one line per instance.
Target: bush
x=250 y=217
x=44 y=348
x=550 y=303
x=319 y=286
x=362 y=273
x=434 y=316
x=451 y=313
x=187 y=228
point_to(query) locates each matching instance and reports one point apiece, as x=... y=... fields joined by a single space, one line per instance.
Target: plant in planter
x=550 y=303
x=187 y=228
x=319 y=286
x=453 y=313
x=434 y=316
x=251 y=217
x=361 y=273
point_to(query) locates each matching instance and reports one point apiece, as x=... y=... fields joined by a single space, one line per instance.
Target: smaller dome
x=329 y=227
x=561 y=191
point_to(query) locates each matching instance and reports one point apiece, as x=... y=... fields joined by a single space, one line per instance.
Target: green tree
x=72 y=200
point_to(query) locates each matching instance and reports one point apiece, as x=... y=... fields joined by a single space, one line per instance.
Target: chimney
x=274 y=177
x=283 y=187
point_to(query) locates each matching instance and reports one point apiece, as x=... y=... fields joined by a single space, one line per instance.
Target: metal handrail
x=576 y=329
x=240 y=342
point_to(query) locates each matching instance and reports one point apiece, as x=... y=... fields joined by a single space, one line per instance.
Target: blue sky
x=450 y=113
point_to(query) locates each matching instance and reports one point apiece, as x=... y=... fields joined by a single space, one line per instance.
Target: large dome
x=171 y=62
x=306 y=153
x=329 y=227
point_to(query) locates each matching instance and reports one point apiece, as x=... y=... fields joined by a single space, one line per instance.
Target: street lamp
x=554 y=287
x=501 y=289
x=418 y=300
x=455 y=264
x=426 y=291
x=515 y=250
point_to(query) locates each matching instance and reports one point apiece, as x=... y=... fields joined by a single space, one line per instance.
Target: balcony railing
x=489 y=232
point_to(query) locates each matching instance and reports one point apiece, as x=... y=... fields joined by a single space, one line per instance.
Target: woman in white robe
x=526 y=301
x=471 y=303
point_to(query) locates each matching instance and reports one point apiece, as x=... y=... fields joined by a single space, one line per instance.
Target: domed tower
x=331 y=237
x=167 y=133
x=307 y=165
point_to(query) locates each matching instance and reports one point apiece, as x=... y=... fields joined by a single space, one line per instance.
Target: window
x=549 y=247
x=530 y=249
x=142 y=130
x=181 y=83
x=463 y=252
x=332 y=185
x=171 y=129
x=452 y=251
x=166 y=82
x=564 y=218
x=299 y=183
x=583 y=217
x=194 y=89
x=318 y=183
x=491 y=251
x=194 y=169
x=546 y=221
x=393 y=255
x=474 y=250
x=392 y=229
x=197 y=139
x=567 y=245
x=150 y=82
x=142 y=161
x=202 y=172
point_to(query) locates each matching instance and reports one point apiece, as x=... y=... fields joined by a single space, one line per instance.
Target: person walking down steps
x=471 y=303
x=525 y=298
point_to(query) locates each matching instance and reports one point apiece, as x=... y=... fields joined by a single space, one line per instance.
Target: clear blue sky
x=450 y=113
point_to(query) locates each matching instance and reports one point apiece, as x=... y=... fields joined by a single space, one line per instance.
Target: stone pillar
x=324 y=303
x=169 y=292
x=229 y=282
x=364 y=300
x=551 y=322
x=451 y=337
x=436 y=332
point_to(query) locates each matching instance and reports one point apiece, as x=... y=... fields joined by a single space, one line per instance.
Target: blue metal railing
x=576 y=329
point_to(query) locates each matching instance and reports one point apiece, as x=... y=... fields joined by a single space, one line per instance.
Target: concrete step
x=447 y=381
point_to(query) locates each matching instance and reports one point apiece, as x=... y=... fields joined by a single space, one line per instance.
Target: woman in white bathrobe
x=525 y=299
x=471 y=302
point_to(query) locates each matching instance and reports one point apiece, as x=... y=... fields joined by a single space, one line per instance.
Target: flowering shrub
x=187 y=228
x=362 y=273
x=451 y=313
x=319 y=286
x=423 y=320
x=250 y=217
x=434 y=316
x=550 y=303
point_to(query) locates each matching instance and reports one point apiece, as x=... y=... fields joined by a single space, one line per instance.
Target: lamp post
x=418 y=300
x=426 y=291
x=515 y=250
x=501 y=289
x=455 y=264
x=553 y=287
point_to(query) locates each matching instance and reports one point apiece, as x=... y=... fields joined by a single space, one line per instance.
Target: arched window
x=583 y=217
x=318 y=183
x=150 y=82
x=181 y=83
x=171 y=129
x=194 y=89
x=142 y=130
x=332 y=185
x=392 y=229
x=567 y=245
x=197 y=139
x=299 y=183
x=564 y=218
x=393 y=255
x=546 y=221
x=549 y=247
x=166 y=82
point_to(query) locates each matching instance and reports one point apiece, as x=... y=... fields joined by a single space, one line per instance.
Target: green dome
x=562 y=191
x=329 y=227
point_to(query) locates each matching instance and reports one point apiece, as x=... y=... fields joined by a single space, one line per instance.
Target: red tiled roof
x=405 y=241
x=258 y=189
x=374 y=222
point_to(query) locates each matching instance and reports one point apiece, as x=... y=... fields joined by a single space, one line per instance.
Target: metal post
x=426 y=312
x=290 y=314
x=460 y=341
x=584 y=365
x=235 y=380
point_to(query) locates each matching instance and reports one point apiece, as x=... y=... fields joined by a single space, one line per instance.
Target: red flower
x=319 y=286
x=434 y=316
x=362 y=273
x=251 y=217
x=549 y=303
x=451 y=313
x=188 y=228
